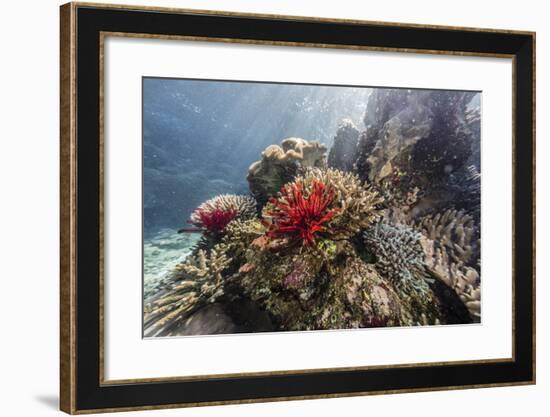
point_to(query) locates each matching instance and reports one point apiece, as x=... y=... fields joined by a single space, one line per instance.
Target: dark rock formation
x=240 y=316
x=343 y=152
x=424 y=140
x=451 y=307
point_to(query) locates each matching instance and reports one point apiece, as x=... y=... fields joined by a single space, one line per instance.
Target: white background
x=29 y=209
x=127 y=60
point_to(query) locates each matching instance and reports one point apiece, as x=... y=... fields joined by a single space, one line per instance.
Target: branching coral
x=464 y=280
x=215 y=214
x=399 y=256
x=450 y=241
x=452 y=255
x=238 y=235
x=455 y=231
x=321 y=203
x=356 y=201
x=201 y=282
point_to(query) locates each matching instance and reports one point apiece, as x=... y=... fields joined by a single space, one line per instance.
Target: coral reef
x=357 y=201
x=399 y=256
x=307 y=291
x=423 y=139
x=238 y=236
x=215 y=214
x=281 y=284
x=383 y=233
x=451 y=250
x=337 y=206
x=200 y=283
x=455 y=231
x=299 y=214
x=279 y=165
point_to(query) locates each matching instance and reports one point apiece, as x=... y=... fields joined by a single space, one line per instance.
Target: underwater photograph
x=274 y=207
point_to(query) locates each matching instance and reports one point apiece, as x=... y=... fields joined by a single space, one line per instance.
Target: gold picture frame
x=73 y=182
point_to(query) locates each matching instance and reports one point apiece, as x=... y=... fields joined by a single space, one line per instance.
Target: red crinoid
x=213 y=220
x=299 y=218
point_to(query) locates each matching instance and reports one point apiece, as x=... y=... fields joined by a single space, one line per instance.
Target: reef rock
x=279 y=165
x=343 y=151
x=328 y=251
x=302 y=292
x=236 y=316
x=418 y=140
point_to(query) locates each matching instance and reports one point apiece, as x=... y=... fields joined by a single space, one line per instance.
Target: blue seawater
x=200 y=136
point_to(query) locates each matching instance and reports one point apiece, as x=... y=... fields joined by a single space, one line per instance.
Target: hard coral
x=319 y=206
x=452 y=254
x=279 y=165
x=399 y=256
x=199 y=282
x=215 y=214
x=356 y=201
x=300 y=214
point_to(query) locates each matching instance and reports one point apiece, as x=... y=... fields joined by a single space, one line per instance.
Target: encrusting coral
x=306 y=291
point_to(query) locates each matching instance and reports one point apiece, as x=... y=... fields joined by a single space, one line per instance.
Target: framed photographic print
x=265 y=208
